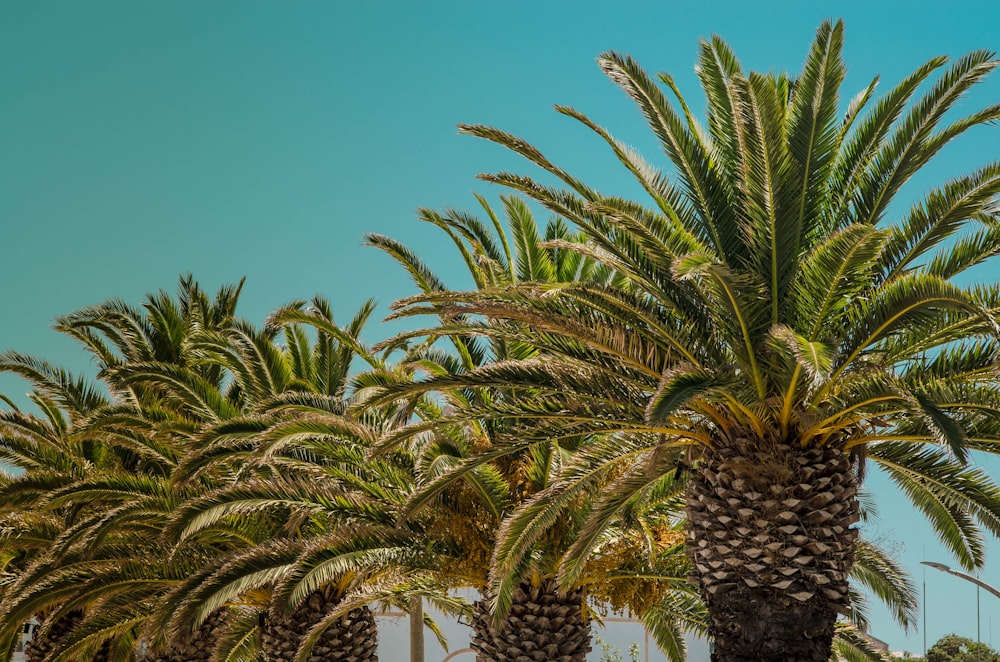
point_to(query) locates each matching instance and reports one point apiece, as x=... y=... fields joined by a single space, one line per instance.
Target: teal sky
x=141 y=140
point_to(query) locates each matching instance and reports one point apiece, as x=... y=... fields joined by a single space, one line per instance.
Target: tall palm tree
x=458 y=451
x=785 y=326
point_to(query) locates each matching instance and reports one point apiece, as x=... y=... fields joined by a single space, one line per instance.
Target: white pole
x=416 y=629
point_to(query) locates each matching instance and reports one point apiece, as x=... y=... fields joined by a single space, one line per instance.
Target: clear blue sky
x=142 y=140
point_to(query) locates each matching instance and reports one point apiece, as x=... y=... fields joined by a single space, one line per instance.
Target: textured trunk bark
x=104 y=653
x=771 y=546
x=543 y=626
x=199 y=647
x=49 y=635
x=754 y=626
x=353 y=638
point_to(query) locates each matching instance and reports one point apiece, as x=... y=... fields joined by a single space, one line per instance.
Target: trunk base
x=196 y=647
x=771 y=544
x=46 y=640
x=759 y=626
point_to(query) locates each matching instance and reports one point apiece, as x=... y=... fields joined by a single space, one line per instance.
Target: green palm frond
x=239 y=643
x=852 y=646
x=682 y=612
x=955 y=500
x=706 y=188
x=339 y=560
x=421 y=274
x=188 y=390
x=942 y=214
x=254 y=569
x=631 y=489
x=912 y=143
x=74 y=394
x=875 y=570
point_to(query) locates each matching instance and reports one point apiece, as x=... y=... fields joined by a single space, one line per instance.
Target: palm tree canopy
x=777 y=291
x=636 y=564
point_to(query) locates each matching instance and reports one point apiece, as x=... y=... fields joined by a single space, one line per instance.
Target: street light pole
x=925 y=612
x=967 y=577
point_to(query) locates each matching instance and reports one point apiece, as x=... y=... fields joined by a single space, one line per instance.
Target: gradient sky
x=141 y=140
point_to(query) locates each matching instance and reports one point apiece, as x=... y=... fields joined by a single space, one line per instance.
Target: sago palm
x=786 y=324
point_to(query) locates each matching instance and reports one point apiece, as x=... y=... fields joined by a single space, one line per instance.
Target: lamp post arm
x=975 y=580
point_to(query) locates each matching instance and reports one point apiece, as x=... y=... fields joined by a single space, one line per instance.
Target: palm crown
x=781 y=324
x=740 y=348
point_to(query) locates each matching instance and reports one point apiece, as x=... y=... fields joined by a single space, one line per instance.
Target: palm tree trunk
x=48 y=636
x=353 y=638
x=104 y=653
x=199 y=646
x=771 y=546
x=543 y=626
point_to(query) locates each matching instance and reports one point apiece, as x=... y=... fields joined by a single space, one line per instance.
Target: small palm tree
x=116 y=501
x=473 y=477
x=180 y=369
x=783 y=327
x=48 y=452
x=299 y=390
x=122 y=336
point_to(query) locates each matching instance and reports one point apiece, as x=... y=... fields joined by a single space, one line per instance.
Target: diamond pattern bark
x=543 y=626
x=45 y=642
x=771 y=543
x=353 y=638
x=199 y=646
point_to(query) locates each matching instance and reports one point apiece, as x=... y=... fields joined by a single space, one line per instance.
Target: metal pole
x=925 y=611
x=416 y=629
x=979 y=584
x=979 y=639
x=969 y=578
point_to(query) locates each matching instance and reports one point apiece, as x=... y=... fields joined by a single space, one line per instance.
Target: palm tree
x=456 y=451
x=47 y=452
x=287 y=487
x=117 y=494
x=122 y=336
x=179 y=369
x=292 y=573
x=473 y=483
x=784 y=326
